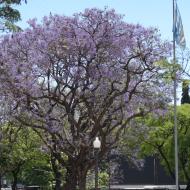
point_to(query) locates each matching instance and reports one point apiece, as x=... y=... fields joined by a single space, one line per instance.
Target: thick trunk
x=75 y=176
x=71 y=176
x=82 y=179
x=71 y=181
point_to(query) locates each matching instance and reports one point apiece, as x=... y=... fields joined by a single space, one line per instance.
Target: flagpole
x=175 y=105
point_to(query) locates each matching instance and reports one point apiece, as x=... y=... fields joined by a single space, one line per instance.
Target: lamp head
x=96 y=143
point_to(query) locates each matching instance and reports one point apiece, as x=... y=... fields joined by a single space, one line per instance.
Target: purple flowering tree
x=75 y=78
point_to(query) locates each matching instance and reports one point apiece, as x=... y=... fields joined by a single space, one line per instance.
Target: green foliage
x=160 y=140
x=21 y=153
x=37 y=172
x=4 y=158
x=168 y=69
x=185 y=92
x=9 y=15
x=103 y=179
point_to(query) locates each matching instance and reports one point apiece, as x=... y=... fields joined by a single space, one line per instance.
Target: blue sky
x=156 y=13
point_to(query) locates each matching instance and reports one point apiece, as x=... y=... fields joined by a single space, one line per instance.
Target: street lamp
x=96 y=145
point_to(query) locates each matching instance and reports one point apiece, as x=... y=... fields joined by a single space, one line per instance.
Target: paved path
x=147 y=187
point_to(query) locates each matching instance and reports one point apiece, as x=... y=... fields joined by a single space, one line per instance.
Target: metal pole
x=96 y=171
x=154 y=170
x=175 y=105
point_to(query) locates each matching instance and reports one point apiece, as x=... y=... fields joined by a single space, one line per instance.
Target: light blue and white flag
x=178 y=28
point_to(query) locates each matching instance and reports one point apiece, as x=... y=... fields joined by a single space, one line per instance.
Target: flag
x=178 y=28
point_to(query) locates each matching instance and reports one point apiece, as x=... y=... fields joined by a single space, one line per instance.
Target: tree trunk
x=188 y=185
x=82 y=179
x=71 y=181
x=172 y=174
x=15 y=173
x=71 y=176
x=58 y=181
x=74 y=178
x=0 y=182
x=76 y=174
x=57 y=173
x=14 y=185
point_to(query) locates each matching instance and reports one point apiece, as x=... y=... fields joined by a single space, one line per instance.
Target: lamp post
x=96 y=145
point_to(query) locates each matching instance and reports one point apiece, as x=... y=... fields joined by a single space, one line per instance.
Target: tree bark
x=57 y=173
x=71 y=176
x=188 y=185
x=71 y=181
x=82 y=179
x=14 y=185
x=172 y=174
x=76 y=175
x=15 y=173
x=57 y=180
x=0 y=182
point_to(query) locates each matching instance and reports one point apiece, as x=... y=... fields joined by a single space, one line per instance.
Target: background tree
x=159 y=141
x=20 y=148
x=4 y=161
x=9 y=15
x=38 y=172
x=185 y=92
x=79 y=77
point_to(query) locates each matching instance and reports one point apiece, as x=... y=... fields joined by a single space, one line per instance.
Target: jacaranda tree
x=79 y=77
